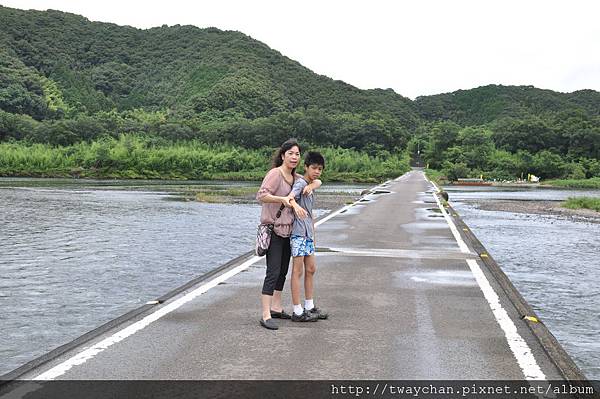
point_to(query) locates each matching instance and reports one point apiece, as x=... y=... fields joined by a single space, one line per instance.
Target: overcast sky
x=417 y=47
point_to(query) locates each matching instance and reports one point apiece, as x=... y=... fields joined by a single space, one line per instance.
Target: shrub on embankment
x=593 y=183
x=137 y=157
x=582 y=202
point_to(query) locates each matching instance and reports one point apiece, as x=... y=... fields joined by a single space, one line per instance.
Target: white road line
x=461 y=244
x=521 y=351
x=326 y=218
x=89 y=353
x=92 y=351
x=531 y=370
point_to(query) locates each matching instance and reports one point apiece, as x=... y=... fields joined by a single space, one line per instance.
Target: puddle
x=424 y=214
x=445 y=277
x=429 y=225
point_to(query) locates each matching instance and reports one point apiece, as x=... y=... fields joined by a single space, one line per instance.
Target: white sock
x=308 y=304
x=298 y=310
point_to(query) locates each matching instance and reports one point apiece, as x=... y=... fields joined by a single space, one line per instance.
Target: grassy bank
x=436 y=176
x=135 y=157
x=582 y=202
x=593 y=183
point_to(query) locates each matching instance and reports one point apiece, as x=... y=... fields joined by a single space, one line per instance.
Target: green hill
x=64 y=79
x=56 y=64
x=489 y=103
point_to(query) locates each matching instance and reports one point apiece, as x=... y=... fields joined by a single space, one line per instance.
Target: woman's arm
x=274 y=199
x=269 y=186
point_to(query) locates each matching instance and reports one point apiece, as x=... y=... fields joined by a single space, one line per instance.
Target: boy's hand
x=311 y=187
x=286 y=201
x=300 y=212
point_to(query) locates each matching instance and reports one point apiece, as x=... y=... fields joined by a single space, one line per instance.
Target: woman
x=273 y=195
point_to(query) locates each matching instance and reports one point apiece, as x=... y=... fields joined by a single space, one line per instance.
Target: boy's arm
x=295 y=193
x=300 y=212
x=315 y=184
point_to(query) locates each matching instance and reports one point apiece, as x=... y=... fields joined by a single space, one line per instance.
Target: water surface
x=553 y=261
x=75 y=254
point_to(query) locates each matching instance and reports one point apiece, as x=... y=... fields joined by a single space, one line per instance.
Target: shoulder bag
x=263 y=235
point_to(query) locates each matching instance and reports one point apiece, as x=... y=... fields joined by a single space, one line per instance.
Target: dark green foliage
x=488 y=103
x=509 y=132
x=455 y=171
x=16 y=126
x=183 y=69
x=66 y=80
x=21 y=88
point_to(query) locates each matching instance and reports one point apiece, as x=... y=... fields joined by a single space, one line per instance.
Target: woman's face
x=291 y=157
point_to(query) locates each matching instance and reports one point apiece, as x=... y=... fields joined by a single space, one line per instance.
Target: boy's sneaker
x=305 y=316
x=321 y=314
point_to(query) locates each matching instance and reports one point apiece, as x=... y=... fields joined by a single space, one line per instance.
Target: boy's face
x=314 y=171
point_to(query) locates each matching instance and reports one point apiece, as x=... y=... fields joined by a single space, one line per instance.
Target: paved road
x=404 y=304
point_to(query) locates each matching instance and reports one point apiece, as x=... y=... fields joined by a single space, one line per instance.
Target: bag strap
x=279 y=212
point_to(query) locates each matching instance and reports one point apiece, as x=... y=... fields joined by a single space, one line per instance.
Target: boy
x=302 y=240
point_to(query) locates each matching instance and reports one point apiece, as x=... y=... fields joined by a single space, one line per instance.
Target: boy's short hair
x=313 y=157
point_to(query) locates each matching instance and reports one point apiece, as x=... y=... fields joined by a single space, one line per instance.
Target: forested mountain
x=505 y=131
x=100 y=66
x=65 y=79
x=56 y=65
x=489 y=103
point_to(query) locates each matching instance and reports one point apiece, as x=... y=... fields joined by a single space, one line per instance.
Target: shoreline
x=325 y=200
x=539 y=208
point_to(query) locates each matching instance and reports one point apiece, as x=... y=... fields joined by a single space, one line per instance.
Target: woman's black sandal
x=269 y=324
x=280 y=315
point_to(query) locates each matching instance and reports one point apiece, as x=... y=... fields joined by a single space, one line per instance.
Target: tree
x=548 y=165
x=441 y=136
x=477 y=146
x=455 y=171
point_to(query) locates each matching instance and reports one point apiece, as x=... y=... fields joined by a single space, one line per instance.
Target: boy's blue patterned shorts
x=302 y=246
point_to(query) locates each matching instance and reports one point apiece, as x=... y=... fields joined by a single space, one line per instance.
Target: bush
x=454 y=171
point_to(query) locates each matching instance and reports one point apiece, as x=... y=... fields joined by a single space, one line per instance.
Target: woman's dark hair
x=314 y=158
x=277 y=160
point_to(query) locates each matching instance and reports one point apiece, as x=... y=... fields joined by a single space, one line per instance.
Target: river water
x=77 y=254
x=74 y=255
x=554 y=262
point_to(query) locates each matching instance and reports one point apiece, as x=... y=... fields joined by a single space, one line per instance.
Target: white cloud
x=415 y=47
